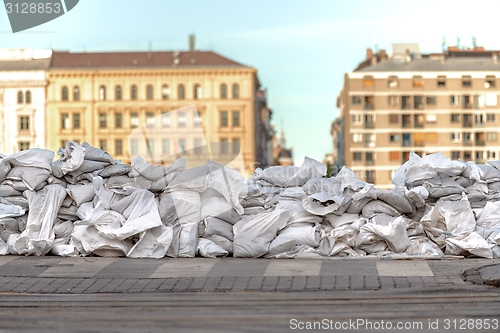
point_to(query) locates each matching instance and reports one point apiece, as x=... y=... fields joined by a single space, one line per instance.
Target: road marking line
x=296 y=267
x=78 y=267
x=184 y=267
x=403 y=268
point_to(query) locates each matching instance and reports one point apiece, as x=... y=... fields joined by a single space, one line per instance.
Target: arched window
x=181 y=91
x=223 y=90
x=118 y=93
x=65 y=93
x=102 y=93
x=165 y=92
x=133 y=92
x=28 y=97
x=149 y=92
x=19 y=97
x=76 y=93
x=236 y=91
x=197 y=91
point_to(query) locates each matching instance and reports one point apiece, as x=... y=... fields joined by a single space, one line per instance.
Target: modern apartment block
x=406 y=101
x=103 y=97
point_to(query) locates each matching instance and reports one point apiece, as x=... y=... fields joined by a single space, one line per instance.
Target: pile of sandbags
x=87 y=203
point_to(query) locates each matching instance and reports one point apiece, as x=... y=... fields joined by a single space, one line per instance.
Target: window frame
x=76 y=93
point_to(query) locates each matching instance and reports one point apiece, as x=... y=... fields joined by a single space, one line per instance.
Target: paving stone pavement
x=54 y=275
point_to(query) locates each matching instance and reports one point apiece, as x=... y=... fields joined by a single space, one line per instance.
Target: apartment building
x=393 y=104
x=103 y=98
x=23 y=83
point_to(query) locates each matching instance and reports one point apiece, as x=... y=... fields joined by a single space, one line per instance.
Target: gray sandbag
x=281 y=244
x=215 y=226
x=30 y=176
x=95 y=154
x=378 y=206
x=225 y=243
x=209 y=249
x=448 y=186
x=8 y=191
x=490 y=173
x=81 y=193
x=396 y=200
x=115 y=170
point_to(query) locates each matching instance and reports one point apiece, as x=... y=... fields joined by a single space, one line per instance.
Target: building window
x=369 y=157
x=489 y=82
x=118 y=93
x=165 y=119
x=165 y=92
x=197 y=146
x=236 y=146
x=118 y=147
x=134 y=146
x=455 y=118
x=418 y=82
x=394 y=118
x=223 y=91
x=102 y=145
x=197 y=91
x=28 y=97
x=479 y=119
x=24 y=123
x=441 y=81
x=357 y=119
x=102 y=93
x=118 y=120
x=418 y=102
x=431 y=118
x=180 y=92
x=430 y=100
x=392 y=82
x=182 y=146
x=407 y=139
x=133 y=92
x=134 y=120
x=454 y=99
x=431 y=137
x=223 y=119
x=223 y=146
x=455 y=155
x=395 y=156
x=196 y=119
x=394 y=138
x=149 y=92
x=456 y=137
x=76 y=93
x=64 y=93
x=357 y=156
x=491 y=136
x=370 y=140
x=357 y=137
x=490 y=117
x=368 y=82
x=236 y=91
x=393 y=100
x=76 y=120
x=166 y=146
x=151 y=146
x=24 y=146
x=466 y=81
x=356 y=100
x=102 y=120
x=236 y=118
x=181 y=119
x=64 y=121
x=150 y=120
x=467 y=156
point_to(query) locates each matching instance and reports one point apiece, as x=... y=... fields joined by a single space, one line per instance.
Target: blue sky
x=302 y=49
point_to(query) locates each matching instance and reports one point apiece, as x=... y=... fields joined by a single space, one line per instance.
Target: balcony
x=467 y=106
x=369 y=125
x=369 y=106
x=406 y=124
x=406 y=143
x=406 y=106
x=467 y=123
x=467 y=143
x=419 y=125
x=369 y=162
x=480 y=143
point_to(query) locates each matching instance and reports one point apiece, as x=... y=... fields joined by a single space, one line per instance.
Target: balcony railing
x=406 y=124
x=369 y=106
x=406 y=143
x=406 y=106
x=369 y=125
x=468 y=143
x=480 y=143
x=467 y=123
x=419 y=125
x=369 y=162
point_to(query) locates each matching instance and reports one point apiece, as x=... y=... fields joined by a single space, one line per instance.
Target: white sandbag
x=253 y=210
x=153 y=243
x=458 y=216
x=396 y=200
x=16 y=201
x=350 y=184
x=193 y=179
x=316 y=185
x=31 y=177
x=293 y=193
x=188 y=240
x=394 y=234
x=303 y=235
x=323 y=203
x=225 y=243
x=215 y=207
x=377 y=207
x=360 y=198
x=447 y=187
x=141 y=212
x=228 y=182
x=166 y=209
x=8 y=191
x=289 y=176
x=34 y=157
x=490 y=216
x=71 y=157
x=3 y=247
x=208 y=249
x=63 y=229
x=215 y=226
x=422 y=246
x=4 y=168
x=81 y=193
x=417 y=196
x=43 y=207
x=280 y=244
x=253 y=239
x=472 y=243
x=87 y=239
x=188 y=206
x=11 y=211
x=153 y=172
x=340 y=220
x=9 y=223
x=64 y=250
x=95 y=154
x=115 y=170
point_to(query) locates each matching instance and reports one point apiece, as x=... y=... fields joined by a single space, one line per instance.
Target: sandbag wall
x=88 y=203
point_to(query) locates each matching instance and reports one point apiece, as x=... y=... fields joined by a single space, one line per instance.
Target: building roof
x=145 y=59
x=25 y=65
x=434 y=65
